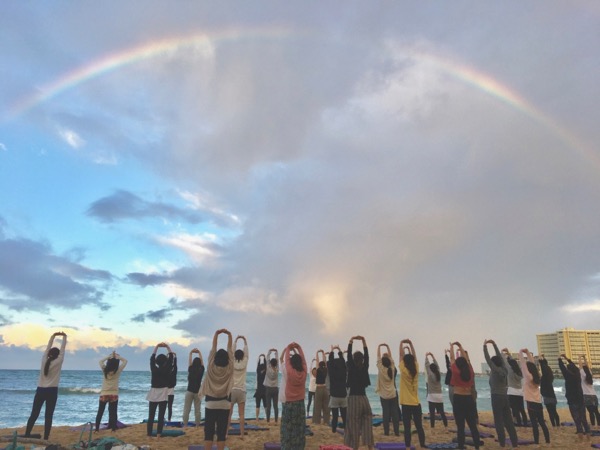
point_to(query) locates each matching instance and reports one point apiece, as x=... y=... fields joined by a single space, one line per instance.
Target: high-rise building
x=573 y=343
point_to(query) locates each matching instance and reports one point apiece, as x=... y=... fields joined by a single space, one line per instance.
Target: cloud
x=3 y=147
x=32 y=277
x=71 y=138
x=34 y=336
x=123 y=205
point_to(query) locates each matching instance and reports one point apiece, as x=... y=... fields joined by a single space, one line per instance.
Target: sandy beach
x=562 y=438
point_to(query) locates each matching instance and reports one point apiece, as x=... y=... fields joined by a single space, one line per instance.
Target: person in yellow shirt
x=409 y=396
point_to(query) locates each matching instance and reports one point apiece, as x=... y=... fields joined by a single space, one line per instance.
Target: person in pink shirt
x=532 y=396
x=293 y=416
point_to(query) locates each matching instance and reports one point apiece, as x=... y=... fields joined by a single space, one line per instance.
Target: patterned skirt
x=293 y=425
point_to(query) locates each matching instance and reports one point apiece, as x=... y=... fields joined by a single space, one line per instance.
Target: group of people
x=338 y=382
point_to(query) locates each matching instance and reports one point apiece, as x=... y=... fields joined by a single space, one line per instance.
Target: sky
x=296 y=171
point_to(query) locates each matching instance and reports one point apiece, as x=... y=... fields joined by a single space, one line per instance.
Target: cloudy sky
x=296 y=172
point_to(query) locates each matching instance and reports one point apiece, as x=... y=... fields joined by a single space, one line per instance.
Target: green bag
x=13 y=445
x=82 y=444
x=105 y=443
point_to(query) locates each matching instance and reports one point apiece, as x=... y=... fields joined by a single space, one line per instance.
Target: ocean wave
x=78 y=390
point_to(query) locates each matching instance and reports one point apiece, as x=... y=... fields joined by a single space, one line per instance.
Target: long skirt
x=293 y=425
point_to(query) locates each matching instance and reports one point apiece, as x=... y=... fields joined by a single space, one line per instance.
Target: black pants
x=414 y=413
x=112 y=414
x=465 y=411
x=389 y=410
x=43 y=395
x=335 y=413
x=578 y=414
x=554 y=418
x=272 y=397
x=439 y=407
x=170 y=400
x=503 y=420
x=536 y=414
x=518 y=409
x=162 y=407
x=215 y=421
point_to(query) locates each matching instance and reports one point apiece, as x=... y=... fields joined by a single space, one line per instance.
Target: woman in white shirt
x=47 y=390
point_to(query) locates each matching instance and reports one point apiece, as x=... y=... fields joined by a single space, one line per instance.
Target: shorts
x=338 y=402
x=238 y=396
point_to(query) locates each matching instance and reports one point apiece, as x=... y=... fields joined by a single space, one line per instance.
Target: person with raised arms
x=195 y=374
x=293 y=418
x=386 y=388
x=161 y=366
x=434 y=390
x=259 y=393
x=463 y=379
x=359 y=416
x=338 y=396
x=238 y=392
x=531 y=393
x=409 y=393
x=47 y=388
x=271 y=384
x=321 y=405
x=499 y=396
x=216 y=389
x=111 y=366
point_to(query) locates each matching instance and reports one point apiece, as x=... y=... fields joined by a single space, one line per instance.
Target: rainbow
x=204 y=42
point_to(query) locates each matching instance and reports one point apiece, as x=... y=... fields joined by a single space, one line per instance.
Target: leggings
x=536 y=414
x=170 y=406
x=43 y=395
x=112 y=414
x=413 y=412
x=215 y=420
x=503 y=420
x=389 y=409
x=162 y=407
x=551 y=408
x=335 y=413
x=464 y=411
x=591 y=404
x=518 y=409
x=310 y=399
x=272 y=397
x=439 y=407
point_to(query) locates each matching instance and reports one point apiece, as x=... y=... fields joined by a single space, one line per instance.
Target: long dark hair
x=358 y=359
x=386 y=362
x=515 y=367
x=112 y=365
x=296 y=362
x=436 y=371
x=546 y=370
x=588 y=375
x=195 y=369
x=409 y=363
x=463 y=367
x=52 y=355
x=534 y=372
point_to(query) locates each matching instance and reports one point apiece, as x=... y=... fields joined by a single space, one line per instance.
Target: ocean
x=79 y=390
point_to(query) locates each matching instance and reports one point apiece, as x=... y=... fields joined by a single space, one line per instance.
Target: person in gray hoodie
x=498 y=388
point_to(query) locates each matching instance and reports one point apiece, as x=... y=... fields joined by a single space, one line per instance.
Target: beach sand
x=562 y=438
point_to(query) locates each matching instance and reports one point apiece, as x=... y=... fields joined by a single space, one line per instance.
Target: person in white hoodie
x=47 y=390
x=238 y=392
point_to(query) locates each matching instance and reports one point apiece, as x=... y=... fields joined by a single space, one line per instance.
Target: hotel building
x=573 y=343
